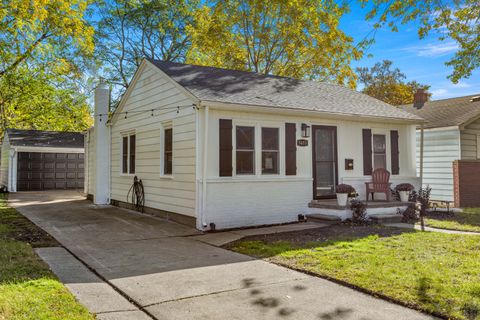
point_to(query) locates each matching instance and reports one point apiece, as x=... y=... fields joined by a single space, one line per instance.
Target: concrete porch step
x=323 y=217
x=386 y=218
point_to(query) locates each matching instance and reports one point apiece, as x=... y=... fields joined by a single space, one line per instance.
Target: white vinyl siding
x=4 y=161
x=469 y=140
x=90 y=162
x=441 y=148
x=152 y=91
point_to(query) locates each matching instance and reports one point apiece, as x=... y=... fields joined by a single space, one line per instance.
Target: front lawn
x=28 y=289
x=467 y=220
x=435 y=272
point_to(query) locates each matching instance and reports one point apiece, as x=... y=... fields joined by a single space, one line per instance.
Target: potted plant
x=404 y=190
x=343 y=190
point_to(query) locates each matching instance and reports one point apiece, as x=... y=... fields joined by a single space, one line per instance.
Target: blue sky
x=421 y=60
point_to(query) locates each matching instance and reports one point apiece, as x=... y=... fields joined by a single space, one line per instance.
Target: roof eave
x=297 y=111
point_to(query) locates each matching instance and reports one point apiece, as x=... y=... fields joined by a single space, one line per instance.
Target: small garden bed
x=435 y=272
x=28 y=289
x=467 y=220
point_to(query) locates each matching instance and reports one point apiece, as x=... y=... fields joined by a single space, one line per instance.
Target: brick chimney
x=419 y=98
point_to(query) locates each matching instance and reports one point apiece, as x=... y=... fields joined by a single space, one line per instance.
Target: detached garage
x=42 y=160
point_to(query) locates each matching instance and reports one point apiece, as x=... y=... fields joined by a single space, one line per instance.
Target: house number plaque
x=302 y=142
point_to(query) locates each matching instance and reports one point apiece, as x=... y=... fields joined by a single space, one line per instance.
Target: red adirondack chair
x=379 y=183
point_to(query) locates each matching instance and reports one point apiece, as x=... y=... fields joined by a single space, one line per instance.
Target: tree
x=36 y=98
x=299 y=39
x=388 y=85
x=43 y=30
x=130 y=30
x=457 y=20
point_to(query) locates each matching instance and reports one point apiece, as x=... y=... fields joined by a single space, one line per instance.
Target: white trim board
x=48 y=149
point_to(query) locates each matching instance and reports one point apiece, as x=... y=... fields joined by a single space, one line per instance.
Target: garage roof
x=51 y=139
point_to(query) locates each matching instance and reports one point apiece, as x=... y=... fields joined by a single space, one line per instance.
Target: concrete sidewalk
x=163 y=269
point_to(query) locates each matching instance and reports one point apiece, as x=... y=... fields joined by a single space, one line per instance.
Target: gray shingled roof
x=52 y=139
x=447 y=112
x=248 y=88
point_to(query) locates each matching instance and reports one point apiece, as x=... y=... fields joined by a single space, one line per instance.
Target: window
x=167 y=151
x=379 y=151
x=128 y=154
x=245 y=153
x=270 y=150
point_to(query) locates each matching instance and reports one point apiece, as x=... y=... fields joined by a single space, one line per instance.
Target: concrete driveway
x=159 y=266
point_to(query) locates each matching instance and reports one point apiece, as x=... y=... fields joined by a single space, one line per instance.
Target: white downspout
x=204 y=169
x=12 y=172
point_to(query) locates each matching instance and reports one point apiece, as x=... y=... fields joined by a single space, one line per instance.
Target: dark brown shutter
x=394 y=151
x=290 y=149
x=225 y=148
x=132 y=153
x=367 y=152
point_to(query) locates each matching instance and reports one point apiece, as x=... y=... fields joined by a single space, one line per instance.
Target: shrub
x=345 y=188
x=359 y=211
x=404 y=187
x=410 y=214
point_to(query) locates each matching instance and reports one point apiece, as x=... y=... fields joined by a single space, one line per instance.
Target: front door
x=324 y=145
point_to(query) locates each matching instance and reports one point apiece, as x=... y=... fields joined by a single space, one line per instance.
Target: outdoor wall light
x=305 y=130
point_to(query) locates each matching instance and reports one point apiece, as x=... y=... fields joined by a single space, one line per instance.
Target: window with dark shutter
x=125 y=154
x=245 y=153
x=395 y=152
x=367 y=151
x=290 y=149
x=132 y=154
x=128 y=154
x=270 y=151
x=225 y=148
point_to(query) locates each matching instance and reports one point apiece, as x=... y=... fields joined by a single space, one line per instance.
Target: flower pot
x=342 y=199
x=404 y=195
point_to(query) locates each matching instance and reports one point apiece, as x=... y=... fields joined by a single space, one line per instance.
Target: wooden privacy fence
x=466 y=183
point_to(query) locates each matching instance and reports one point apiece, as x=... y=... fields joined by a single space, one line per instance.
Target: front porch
x=328 y=209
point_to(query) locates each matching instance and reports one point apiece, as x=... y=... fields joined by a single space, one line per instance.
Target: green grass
x=28 y=289
x=431 y=271
x=468 y=220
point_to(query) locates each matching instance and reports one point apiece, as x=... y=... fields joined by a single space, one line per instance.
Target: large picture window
x=379 y=151
x=270 y=151
x=128 y=153
x=245 y=150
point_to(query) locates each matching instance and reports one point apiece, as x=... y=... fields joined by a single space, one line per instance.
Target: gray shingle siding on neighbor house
x=249 y=88
x=452 y=131
x=50 y=139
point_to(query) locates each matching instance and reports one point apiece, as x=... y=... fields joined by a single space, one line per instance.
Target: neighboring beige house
x=451 y=132
x=234 y=149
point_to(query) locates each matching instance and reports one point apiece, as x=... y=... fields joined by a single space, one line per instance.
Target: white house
x=233 y=149
x=41 y=160
x=451 y=132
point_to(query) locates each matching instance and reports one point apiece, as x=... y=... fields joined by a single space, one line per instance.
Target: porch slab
x=329 y=209
x=332 y=204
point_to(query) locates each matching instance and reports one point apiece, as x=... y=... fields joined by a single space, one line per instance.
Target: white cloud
x=461 y=85
x=438 y=49
x=439 y=93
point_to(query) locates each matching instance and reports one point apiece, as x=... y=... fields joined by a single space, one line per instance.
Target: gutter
x=306 y=112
